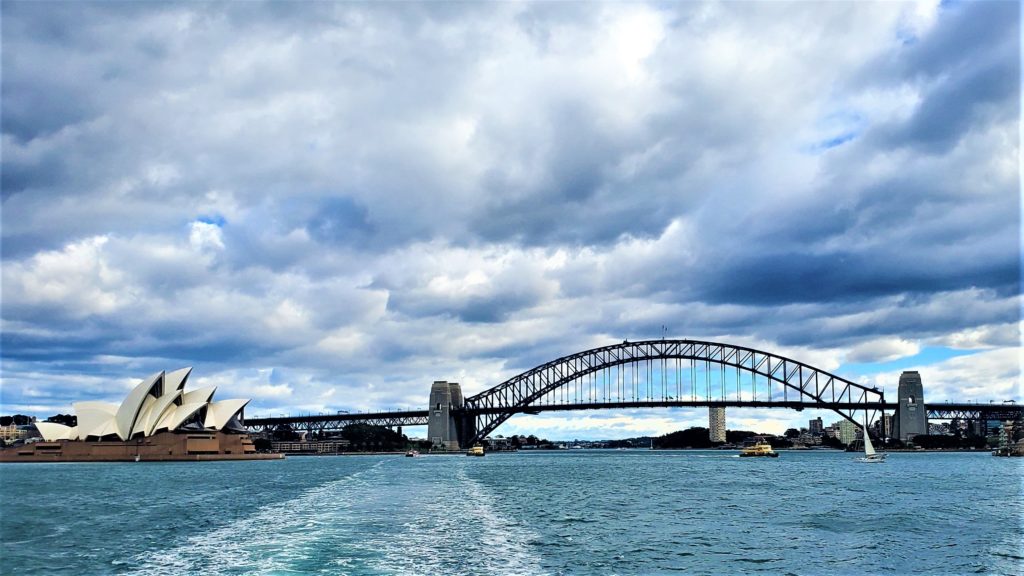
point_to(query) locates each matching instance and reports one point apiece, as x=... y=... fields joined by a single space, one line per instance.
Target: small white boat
x=870 y=456
x=412 y=454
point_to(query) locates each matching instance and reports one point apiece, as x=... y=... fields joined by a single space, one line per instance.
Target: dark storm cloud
x=489 y=308
x=971 y=66
x=340 y=220
x=923 y=230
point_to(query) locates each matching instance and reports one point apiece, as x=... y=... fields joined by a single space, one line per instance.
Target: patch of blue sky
x=835 y=129
x=927 y=355
x=215 y=219
x=837 y=141
x=829 y=143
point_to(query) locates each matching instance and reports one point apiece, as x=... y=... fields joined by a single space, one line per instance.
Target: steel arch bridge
x=654 y=373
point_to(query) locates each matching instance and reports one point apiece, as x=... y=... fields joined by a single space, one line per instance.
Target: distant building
x=808 y=439
x=716 y=424
x=500 y=444
x=12 y=433
x=847 y=431
x=882 y=427
x=816 y=427
x=320 y=447
x=911 y=416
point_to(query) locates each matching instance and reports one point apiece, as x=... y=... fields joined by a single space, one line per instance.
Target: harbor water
x=568 y=512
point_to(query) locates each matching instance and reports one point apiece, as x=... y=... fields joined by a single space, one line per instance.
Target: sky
x=328 y=206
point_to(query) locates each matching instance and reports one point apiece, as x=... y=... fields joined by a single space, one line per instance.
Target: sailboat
x=869 y=451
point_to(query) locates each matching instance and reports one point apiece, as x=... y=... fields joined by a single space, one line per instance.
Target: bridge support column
x=445 y=398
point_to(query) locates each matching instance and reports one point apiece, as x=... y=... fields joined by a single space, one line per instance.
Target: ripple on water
x=580 y=513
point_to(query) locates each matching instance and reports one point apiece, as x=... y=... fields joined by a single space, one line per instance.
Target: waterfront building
x=911 y=416
x=816 y=427
x=500 y=444
x=847 y=431
x=716 y=423
x=157 y=420
x=885 y=425
x=331 y=446
x=808 y=439
x=12 y=433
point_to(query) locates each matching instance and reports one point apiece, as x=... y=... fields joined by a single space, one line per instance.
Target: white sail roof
x=221 y=412
x=106 y=429
x=183 y=413
x=203 y=394
x=94 y=417
x=142 y=420
x=176 y=380
x=129 y=410
x=157 y=403
x=164 y=407
x=51 y=431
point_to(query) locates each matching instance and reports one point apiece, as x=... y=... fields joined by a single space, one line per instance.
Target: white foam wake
x=456 y=530
x=271 y=541
x=391 y=518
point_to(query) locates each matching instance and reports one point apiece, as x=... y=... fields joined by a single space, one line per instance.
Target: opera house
x=158 y=420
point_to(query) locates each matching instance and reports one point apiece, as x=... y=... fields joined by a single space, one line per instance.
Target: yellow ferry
x=760 y=448
x=477 y=450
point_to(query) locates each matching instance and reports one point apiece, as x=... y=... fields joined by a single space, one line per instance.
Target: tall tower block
x=911 y=416
x=716 y=423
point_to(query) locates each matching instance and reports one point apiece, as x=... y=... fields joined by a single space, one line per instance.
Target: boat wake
x=386 y=519
x=272 y=540
x=454 y=529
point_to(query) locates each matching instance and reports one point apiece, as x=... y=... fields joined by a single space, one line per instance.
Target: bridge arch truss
x=667 y=372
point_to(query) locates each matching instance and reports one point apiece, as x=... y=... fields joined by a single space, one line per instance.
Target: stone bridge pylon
x=446 y=403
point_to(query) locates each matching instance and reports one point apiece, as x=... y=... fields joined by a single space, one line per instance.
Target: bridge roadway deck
x=338 y=421
x=936 y=411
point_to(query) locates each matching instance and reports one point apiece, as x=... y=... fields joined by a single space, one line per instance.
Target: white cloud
x=205 y=237
x=77 y=279
x=882 y=350
x=992 y=375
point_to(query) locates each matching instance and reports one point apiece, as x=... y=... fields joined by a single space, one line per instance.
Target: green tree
x=830 y=442
x=65 y=419
x=695 y=437
x=369 y=437
x=738 y=436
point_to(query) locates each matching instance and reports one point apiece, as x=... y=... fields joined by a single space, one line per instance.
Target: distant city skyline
x=328 y=206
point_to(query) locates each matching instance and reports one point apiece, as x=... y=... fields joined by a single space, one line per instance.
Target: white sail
x=869 y=450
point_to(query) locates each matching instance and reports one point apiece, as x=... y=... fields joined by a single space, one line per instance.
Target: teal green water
x=574 y=512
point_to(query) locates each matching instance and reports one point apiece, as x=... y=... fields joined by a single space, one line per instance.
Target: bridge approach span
x=325 y=422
